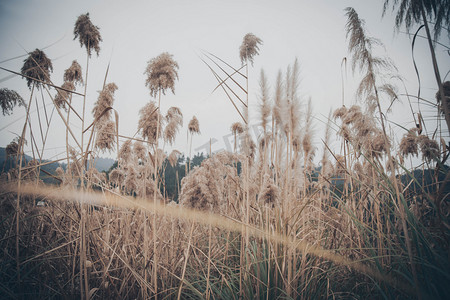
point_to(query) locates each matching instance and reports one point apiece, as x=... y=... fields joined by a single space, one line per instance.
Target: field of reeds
x=267 y=220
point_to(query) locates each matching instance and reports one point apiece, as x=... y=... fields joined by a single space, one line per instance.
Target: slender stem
x=21 y=144
x=84 y=111
x=155 y=169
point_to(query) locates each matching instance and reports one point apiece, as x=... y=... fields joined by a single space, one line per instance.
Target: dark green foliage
x=409 y=12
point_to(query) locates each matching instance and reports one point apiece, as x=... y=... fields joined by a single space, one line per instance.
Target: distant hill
x=101 y=164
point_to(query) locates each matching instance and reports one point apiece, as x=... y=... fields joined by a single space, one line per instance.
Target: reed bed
x=261 y=222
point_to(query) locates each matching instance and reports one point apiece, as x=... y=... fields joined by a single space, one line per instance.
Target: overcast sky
x=134 y=32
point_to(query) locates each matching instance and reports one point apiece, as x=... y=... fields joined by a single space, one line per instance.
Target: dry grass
x=263 y=222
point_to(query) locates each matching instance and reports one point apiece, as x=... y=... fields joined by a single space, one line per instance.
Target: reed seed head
x=194 y=126
x=9 y=99
x=62 y=96
x=73 y=74
x=249 y=47
x=161 y=74
x=106 y=136
x=37 y=66
x=429 y=148
x=148 y=122
x=88 y=34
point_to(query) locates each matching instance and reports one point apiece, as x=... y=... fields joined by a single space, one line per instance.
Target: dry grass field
x=264 y=221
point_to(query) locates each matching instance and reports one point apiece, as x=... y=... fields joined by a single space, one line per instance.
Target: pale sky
x=134 y=32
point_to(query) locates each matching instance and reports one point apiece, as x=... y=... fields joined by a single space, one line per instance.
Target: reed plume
x=12 y=149
x=37 y=66
x=204 y=188
x=125 y=153
x=173 y=157
x=87 y=33
x=264 y=106
x=9 y=99
x=237 y=128
x=249 y=48
x=409 y=143
x=148 y=122
x=194 y=126
x=139 y=150
x=73 y=73
x=104 y=101
x=131 y=182
x=161 y=74
x=106 y=136
x=63 y=96
x=429 y=148
x=116 y=177
x=340 y=112
x=270 y=192
x=174 y=120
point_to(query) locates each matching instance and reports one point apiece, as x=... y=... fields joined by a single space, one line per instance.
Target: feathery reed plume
x=249 y=47
x=95 y=177
x=409 y=143
x=32 y=173
x=37 y=66
x=116 y=177
x=12 y=149
x=278 y=103
x=161 y=157
x=264 y=98
x=429 y=148
x=291 y=117
x=340 y=112
x=148 y=122
x=139 y=150
x=125 y=152
x=149 y=188
x=293 y=81
x=63 y=96
x=88 y=34
x=237 y=128
x=194 y=126
x=377 y=144
x=307 y=143
x=9 y=99
x=173 y=157
x=174 y=119
x=131 y=182
x=73 y=73
x=364 y=125
x=270 y=192
x=105 y=100
x=60 y=173
x=174 y=112
x=161 y=74
x=106 y=136
x=204 y=188
x=353 y=115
